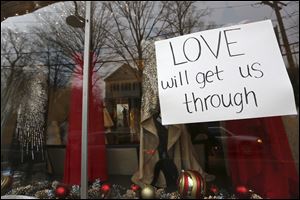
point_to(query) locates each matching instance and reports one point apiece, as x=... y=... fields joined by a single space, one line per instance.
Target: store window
x=130 y=154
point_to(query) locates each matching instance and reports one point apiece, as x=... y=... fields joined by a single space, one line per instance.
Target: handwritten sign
x=223 y=74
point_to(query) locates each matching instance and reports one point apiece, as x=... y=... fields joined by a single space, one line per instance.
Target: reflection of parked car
x=246 y=145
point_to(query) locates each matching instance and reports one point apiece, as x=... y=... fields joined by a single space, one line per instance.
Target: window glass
x=130 y=153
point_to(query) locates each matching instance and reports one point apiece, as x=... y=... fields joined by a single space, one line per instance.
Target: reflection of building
x=123 y=87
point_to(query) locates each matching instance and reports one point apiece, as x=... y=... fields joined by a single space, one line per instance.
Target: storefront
x=82 y=109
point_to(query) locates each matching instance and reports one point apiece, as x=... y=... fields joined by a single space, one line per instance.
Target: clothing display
x=53 y=134
x=97 y=165
x=179 y=145
x=107 y=119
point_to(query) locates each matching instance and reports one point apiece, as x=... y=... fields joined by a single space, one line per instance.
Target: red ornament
x=62 y=191
x=242 y=191
x=105 y=188
x=214 y=189
x=135 y=187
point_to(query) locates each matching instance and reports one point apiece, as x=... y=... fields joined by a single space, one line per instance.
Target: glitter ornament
x=117 y=191
x=96 y=184
x=24 y=190
x=45 y=194
x=54 y=184
x=75 y=192
x=129 y=195
x=94 y=193
x=31 y=119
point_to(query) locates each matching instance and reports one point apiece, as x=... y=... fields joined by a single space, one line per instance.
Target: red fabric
x=271 y=171
x=97 y=165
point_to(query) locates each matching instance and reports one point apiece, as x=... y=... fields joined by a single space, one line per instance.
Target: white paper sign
x=228 y=73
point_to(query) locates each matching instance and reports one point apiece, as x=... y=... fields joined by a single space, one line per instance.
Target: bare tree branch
x=134 y=23
x=69 y=39
x=14 y=77
x=182 y=17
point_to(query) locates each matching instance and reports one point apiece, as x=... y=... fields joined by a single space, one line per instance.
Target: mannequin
x=97 y=165
x=53 y=134
x=167 y=150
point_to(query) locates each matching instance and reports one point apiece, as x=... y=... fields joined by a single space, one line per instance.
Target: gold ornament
x=148 y=192
x=6 y=182
x=191 y=184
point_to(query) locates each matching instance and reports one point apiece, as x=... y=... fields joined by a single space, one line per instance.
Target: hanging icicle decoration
x=31 y=119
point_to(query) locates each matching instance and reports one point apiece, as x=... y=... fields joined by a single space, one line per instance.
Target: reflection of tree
x=62 y=44
x=58 y=72
x=134 y=22
x=182 y=18
x=119 y=30
x=69 y=40
x=16 y=70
